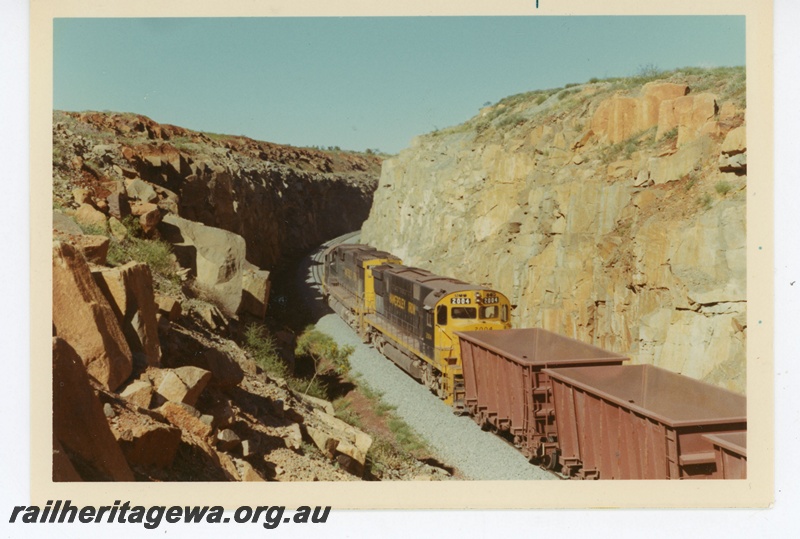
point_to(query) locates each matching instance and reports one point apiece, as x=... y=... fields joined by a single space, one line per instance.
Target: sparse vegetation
x=511 y=121
x=327 y=357
x=157 y=254
x=325 y=354
x=400 y=450
x=705 y=201
x=566 y=93
x=626 y=148
x=722 y=187
x=135 y=247
x=692 y=180
x=264 y=350
x=672 y=134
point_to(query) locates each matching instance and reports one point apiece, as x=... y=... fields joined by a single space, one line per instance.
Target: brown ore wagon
x=507 y=389
x=640 y=422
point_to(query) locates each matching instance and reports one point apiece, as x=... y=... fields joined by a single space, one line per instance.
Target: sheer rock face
x=594 y=227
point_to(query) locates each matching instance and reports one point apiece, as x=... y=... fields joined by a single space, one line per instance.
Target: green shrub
x=566 y=93
x=325 y=354
x=407 y=437
x=705 y=201
x=671 y=134
x=723 y=188
x=264 y=350
x=511 y=121
x=342 y=408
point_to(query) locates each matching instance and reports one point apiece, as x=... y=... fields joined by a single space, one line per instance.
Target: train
x=568 y=406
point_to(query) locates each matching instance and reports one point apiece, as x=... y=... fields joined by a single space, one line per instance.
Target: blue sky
x=356 y=82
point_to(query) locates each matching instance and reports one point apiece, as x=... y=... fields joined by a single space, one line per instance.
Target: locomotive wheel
x=432 y=381
x=427 y=377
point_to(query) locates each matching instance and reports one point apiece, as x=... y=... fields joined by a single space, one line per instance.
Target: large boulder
x=94 y=247
x=183 y=385
x=339 y=440
x=83 y=317
x=91 y=217
x=147 y=442
x=733 y=154
x=225 y=371
x=186 y=418
x=215 y=256
x=255 y=290
x=129 y=290
x=65 y=224
x=616 y=118
x=118 y=205
x=686 y=160
x=138 y=393
x=79 y=425
x=653 y=94
x=140 y=190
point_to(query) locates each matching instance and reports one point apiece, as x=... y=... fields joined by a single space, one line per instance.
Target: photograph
x=403 y=258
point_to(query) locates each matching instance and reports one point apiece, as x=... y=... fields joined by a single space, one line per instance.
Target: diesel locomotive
x=411 y=315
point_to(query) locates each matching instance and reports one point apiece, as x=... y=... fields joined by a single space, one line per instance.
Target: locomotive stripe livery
x=567 y=405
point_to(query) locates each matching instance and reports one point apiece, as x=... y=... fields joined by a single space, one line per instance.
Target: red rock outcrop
x=83 y=317
x=129 y=289
x=619 y=118
x=689 y=114
x=79 y=424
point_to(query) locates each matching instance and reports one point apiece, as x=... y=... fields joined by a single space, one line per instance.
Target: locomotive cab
x=464 y=310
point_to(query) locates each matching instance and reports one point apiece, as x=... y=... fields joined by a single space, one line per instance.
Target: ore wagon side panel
x=640 y=422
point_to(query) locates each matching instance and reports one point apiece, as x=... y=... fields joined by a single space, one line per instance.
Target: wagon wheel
x=550 y=461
